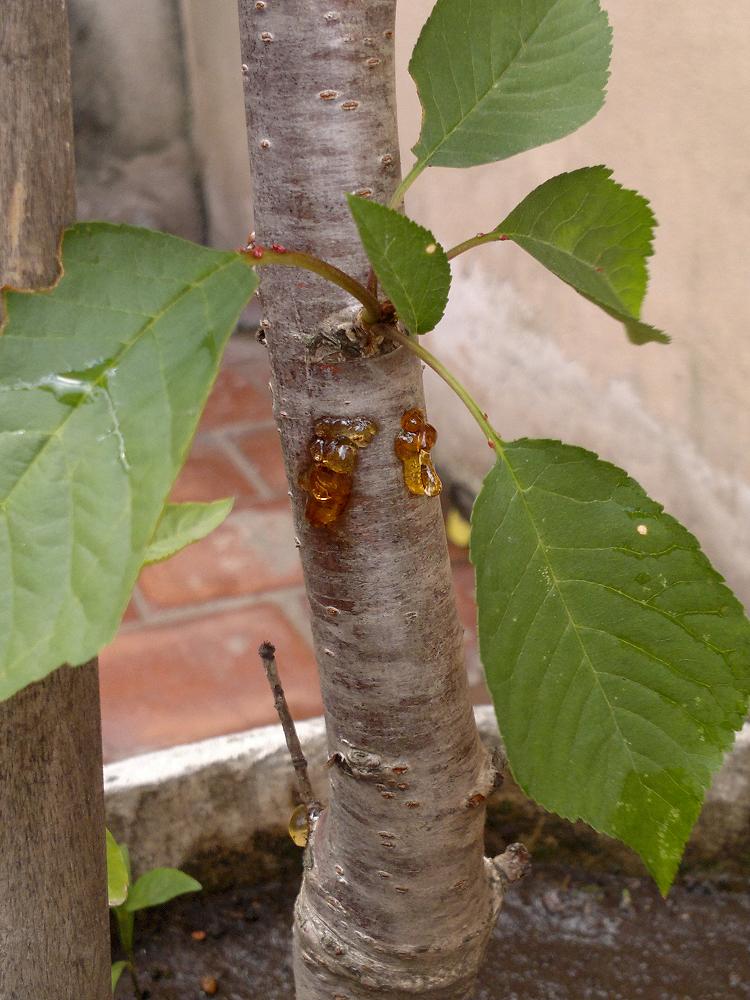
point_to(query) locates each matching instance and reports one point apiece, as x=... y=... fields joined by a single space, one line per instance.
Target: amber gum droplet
x=340 y=455
x=413 y=420
x=332 y=486
x=413 y=475
x=406 y=445
x=358 y=430
x=431 y=484
x=320 y=490
x=412 y=446
x=299 y=826
x=329 y=480
x=322 y=514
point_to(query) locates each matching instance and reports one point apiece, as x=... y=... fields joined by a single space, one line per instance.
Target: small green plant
x=126 y=898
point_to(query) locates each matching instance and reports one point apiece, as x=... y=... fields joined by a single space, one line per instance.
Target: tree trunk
x=37 y=171
x=397 y=899
x=54 y=929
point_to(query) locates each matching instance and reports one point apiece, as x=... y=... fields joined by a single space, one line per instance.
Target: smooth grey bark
x=397 y=899
x=54 y=927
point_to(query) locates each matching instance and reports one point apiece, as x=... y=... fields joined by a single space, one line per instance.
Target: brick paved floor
x=184 y=665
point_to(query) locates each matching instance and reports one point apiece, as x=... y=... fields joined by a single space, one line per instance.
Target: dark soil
x=563 y=935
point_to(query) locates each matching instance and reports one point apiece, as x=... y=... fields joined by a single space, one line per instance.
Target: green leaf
x=181 y=524
x=125 y=852
x=595 y=235
x=618 y=661
x=496 y=77
x=159 y=886
x=102 y=381
x=410 y=264
x=117 y=872
x=125 y=928
x=117 y=970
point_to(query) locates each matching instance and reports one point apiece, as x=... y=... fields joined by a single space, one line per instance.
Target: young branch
x=134 y=978
x=259 y=256
x=476 y=241
x=412 y=344
x=406 y=183
x=267 y=654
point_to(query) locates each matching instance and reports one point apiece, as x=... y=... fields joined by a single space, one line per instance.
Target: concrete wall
x=212 y=52
x=542 y=361
x=135 y=160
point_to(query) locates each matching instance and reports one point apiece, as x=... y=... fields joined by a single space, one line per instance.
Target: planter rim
x=217 y=797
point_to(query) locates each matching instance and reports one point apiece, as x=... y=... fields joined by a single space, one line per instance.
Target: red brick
x=479 y=692
x=298 y=612
x=245 y=352
x=252 y=552
x=459 y=555
x=169 y=684
x=463 y=585
x=263 y=449
x=237 y=397
x=131 y=612
x=210 y=474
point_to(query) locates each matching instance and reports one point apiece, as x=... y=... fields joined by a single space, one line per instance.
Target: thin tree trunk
x=54 y=929
x=37 y=171
x=397 y=899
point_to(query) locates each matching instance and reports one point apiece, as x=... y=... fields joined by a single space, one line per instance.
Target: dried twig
x=268 y=656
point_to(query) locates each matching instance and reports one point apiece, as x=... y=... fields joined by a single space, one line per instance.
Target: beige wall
x=212 y=48
x=543 y=361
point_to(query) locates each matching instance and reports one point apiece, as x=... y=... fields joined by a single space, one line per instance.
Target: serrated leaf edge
x=632 y=322
x=429 y=238
x=664 y=884
x=423 y=162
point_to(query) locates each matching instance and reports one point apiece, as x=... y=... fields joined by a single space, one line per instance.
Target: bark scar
x=506 y=869
x=343 y=337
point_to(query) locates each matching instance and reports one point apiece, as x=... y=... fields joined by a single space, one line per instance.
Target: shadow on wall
x=530 y=388
x=135 y=160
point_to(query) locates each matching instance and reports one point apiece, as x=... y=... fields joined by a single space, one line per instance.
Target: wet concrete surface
x=564 y=934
